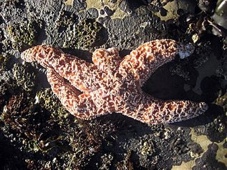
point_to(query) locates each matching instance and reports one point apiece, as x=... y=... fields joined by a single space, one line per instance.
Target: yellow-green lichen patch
x=22 y=35
x=46 y=99
x=87 y=32
x=7 y=87
x=24 y=76
x=222 y=101
x=66 y=20
x=84 y=34
x=4 y=61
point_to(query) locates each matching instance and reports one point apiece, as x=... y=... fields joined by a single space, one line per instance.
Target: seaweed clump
x=32 y=128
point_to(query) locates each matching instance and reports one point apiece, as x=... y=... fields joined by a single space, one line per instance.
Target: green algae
x=24 y=76
x=50 y=102
x=23 y=35
x=4 y=61
x=85 y=34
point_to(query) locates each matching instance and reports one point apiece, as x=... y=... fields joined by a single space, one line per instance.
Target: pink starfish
x=112 y=84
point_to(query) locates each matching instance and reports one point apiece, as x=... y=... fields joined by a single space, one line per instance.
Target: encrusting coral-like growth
x=113 y=84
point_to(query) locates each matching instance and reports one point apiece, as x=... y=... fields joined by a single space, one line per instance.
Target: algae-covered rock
x=84 y=34
x=4 y=62
x=23 y=35
x=46 y=99
x=222 y=101
x=24 y=76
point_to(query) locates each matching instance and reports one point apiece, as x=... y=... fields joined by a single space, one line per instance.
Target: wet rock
x=205 y=161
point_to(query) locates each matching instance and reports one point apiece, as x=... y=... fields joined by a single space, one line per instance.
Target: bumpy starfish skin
x=112 y=84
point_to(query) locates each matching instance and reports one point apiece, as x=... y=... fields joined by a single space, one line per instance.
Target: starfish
x=113 y=84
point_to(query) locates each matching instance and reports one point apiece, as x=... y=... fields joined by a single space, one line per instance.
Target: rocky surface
x=36 y=132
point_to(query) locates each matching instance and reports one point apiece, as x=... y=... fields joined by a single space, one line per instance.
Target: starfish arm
x=106 y=59
x=154 y=111
x=78 y=104
x=79 y=73
x=148 y=57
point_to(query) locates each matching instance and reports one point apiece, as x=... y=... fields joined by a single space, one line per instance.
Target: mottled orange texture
x=113 y=84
